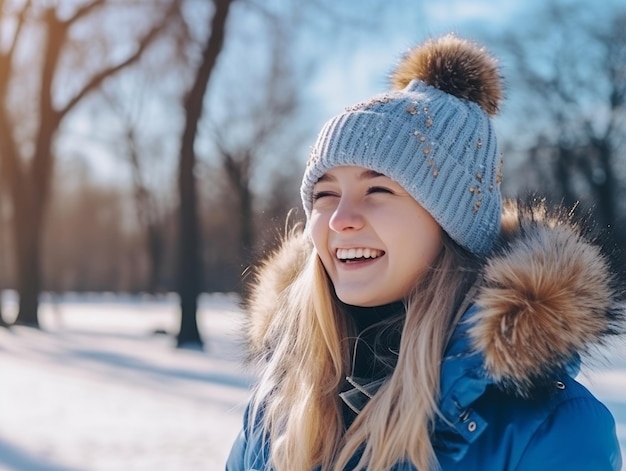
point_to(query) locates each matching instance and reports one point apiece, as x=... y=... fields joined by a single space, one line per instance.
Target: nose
x=347 y=216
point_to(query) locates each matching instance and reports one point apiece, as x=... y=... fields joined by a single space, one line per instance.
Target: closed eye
x=323 y=194
x=379 y=189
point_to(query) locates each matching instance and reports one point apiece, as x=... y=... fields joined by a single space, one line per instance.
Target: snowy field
x=101 y=387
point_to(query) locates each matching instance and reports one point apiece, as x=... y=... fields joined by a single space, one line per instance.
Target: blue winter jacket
x=507 y=388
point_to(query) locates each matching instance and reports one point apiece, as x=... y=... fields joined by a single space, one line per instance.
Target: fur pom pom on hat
x=454 y=66
x=432 y=134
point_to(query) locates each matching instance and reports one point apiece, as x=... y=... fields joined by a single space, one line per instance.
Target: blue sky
x=360 y=68
x=357 y=65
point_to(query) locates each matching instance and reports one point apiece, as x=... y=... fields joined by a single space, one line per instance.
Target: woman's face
x=375 y=241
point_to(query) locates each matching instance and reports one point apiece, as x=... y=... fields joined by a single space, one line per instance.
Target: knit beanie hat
x=432 y=134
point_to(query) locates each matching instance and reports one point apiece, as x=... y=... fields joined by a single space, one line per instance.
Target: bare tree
x=149 y=207
x=190 y=273
x=27 y=170
x=572 y=70
x=257 y=130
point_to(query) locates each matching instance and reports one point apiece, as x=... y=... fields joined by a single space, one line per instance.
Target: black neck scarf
x=375 y=353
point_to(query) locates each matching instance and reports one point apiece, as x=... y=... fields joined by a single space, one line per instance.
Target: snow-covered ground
x=98 y=388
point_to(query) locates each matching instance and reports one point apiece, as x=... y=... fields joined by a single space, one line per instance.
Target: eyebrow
x=364 y=175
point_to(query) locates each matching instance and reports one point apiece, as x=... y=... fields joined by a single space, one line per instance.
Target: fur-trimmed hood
x=550 y=292
x=546 y=295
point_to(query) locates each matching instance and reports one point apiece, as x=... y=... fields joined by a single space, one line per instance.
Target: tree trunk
x=190 y=273
x=28 y=241
x=30 y=202
x=155 y=253
x=247 y=225
x=190 y=268
x=148 y=217
x=3 y=323
x=564 y=164
x=606 y=187
x=238 y=172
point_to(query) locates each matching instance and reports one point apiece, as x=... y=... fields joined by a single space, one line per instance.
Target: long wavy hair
x=297 y=395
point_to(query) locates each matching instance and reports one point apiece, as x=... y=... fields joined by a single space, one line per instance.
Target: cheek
x=426 y=242
x=432 y=239
x=318 y=229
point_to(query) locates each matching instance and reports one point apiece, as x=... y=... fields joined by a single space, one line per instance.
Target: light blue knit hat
x=432 y=134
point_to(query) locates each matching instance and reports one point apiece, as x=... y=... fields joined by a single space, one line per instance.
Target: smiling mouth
x=353 y=255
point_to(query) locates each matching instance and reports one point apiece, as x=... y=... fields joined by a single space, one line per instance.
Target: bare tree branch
x=7 y=58
x=97 y=79
x=83 y=11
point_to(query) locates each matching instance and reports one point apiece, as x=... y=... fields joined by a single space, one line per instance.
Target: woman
x=418 y=322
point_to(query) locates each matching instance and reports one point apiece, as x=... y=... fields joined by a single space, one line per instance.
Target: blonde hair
x=299 y=385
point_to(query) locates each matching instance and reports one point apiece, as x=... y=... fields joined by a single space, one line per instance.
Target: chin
x=359 y=301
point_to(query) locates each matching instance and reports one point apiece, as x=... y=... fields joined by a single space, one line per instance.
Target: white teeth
x=350 y=254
